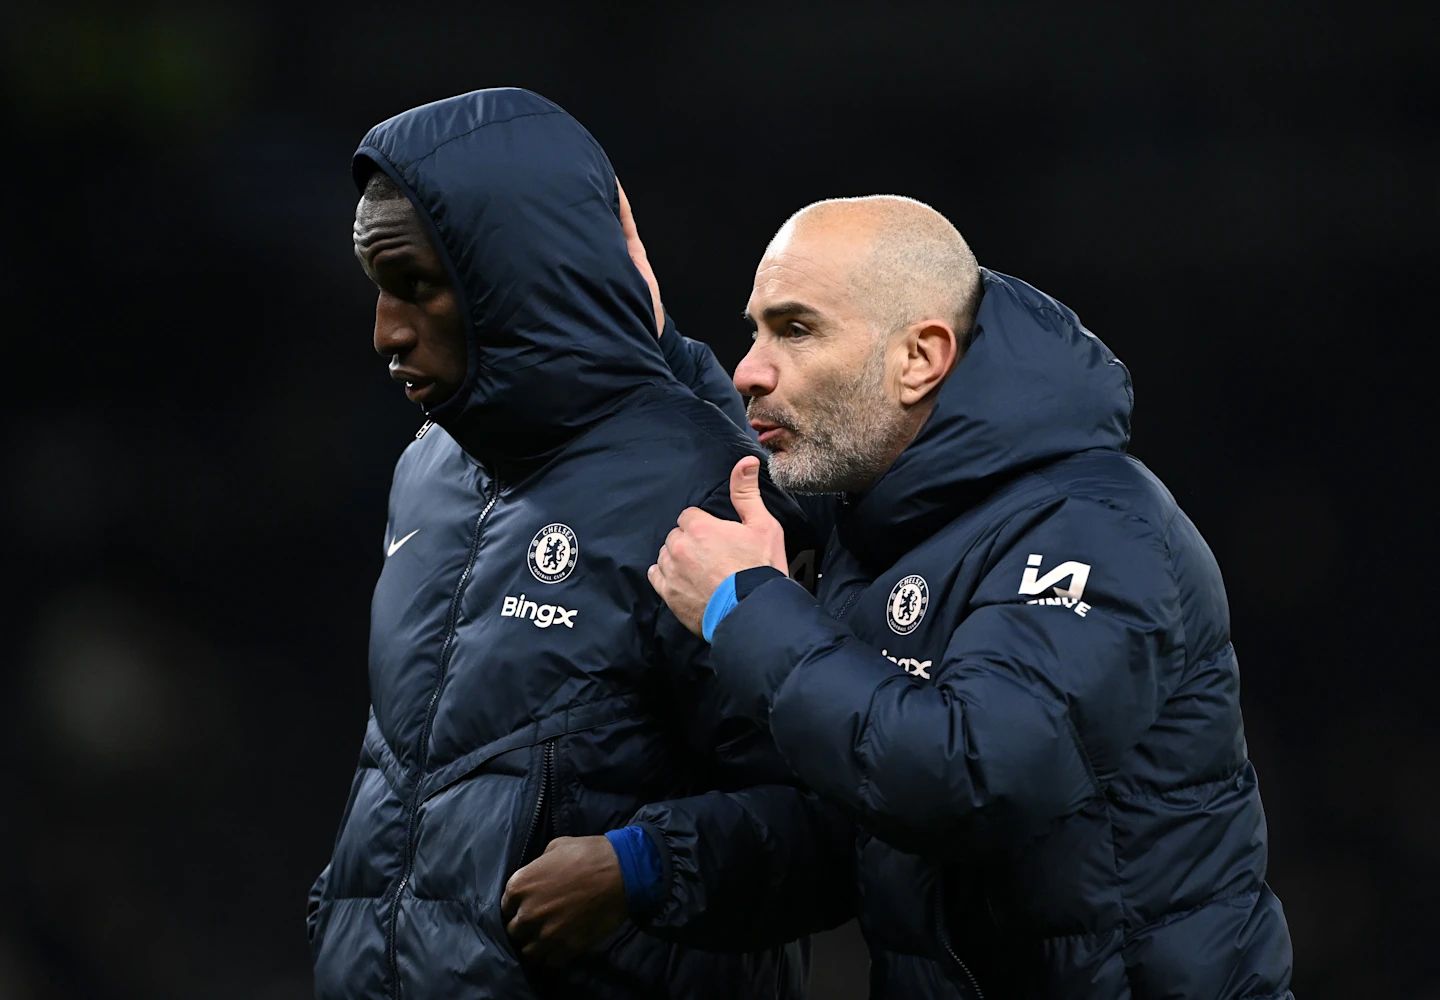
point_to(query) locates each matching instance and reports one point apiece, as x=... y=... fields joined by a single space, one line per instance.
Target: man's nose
x=755 y=375
x=394 y=328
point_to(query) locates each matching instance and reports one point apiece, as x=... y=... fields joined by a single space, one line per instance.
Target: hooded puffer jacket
x=526 y=680
x=1018 y=675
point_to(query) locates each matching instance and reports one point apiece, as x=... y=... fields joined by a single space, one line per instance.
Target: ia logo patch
x=907 y=605
x=553 y=553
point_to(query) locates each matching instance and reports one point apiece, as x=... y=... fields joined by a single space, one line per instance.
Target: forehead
x=385 y=218
x=811 y=265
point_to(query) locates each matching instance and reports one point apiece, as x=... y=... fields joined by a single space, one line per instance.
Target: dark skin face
x=418 y=325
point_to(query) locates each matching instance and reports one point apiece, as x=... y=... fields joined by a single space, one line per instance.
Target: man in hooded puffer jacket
x=529 y=689
x=1017 y=672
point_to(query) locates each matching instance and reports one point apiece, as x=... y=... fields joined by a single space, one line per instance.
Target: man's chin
x=784 y=474
x=437 y=396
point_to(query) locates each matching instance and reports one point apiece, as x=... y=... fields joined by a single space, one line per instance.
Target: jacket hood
x=1034 y=387
x=523 y=206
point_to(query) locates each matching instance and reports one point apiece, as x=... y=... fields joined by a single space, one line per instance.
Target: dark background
x=1242 y=201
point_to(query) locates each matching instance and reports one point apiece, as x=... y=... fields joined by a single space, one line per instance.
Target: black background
x=1240 y=199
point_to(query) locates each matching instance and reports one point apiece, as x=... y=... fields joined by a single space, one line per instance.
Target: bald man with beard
x=1017 y=672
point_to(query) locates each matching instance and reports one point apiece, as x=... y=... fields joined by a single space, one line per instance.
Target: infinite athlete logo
x=1078 y=573
x=907 y=605
x=553 y=553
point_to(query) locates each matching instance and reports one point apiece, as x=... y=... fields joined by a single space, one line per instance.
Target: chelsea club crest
x=907 y=605
x=553 y=553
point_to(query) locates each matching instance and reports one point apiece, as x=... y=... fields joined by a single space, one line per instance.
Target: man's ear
x=931 y=349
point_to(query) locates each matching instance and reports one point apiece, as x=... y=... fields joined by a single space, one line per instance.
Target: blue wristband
x=721 y=603
x=640 y=868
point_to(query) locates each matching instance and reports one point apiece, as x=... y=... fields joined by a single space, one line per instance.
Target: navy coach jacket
x=526 y=680
x=1018 y=676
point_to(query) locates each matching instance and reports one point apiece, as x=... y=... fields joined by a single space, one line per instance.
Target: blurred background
x=198 y=438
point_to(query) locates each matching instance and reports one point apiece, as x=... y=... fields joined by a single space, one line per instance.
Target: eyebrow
x=393 y=255
x=781 y=310
x=396 y=258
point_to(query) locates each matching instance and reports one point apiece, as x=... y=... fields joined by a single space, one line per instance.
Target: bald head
x=904 y=261
x=861 y=308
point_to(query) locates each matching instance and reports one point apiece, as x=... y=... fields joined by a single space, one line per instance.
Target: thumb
x=745 y=491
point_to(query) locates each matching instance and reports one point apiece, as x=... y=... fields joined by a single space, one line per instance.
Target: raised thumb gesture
x=745 y=492
x=703 y=549
x=750 y=505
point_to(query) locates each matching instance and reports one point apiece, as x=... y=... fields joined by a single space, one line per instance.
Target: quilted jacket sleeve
x=750 y=868
x=1025 y=717
x=755 y=860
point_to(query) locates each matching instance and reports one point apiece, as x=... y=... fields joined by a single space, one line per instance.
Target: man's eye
x=794 y=330
x=423 y=289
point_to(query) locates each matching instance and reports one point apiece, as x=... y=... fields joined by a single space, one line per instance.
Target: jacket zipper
x=849 y=603
x=943 y=926
x=447 y=649
x=940 y=920
x=547 y=778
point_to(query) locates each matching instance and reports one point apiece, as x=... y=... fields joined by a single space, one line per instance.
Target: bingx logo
x=543 y=615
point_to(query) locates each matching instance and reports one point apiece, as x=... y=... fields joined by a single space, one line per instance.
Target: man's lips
x=418 y=392
x=768 y=433
x=417 y=386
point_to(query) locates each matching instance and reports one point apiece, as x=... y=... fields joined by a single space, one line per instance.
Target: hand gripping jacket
x=1019 y=675
x=526 y=681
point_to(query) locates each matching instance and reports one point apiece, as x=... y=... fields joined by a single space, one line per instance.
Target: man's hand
x=566 y=901
x=703 y=550
x=642 y=261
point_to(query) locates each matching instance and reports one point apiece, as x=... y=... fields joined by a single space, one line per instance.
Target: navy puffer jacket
x=1018 y=675
x=526 y=680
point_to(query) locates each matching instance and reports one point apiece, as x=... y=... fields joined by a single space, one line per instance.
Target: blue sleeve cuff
x=721 y=603
x=751 y=579
x=732 y=590
x=640 y=869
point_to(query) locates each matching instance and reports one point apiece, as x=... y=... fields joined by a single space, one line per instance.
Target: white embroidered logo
x=553 y=553
x=394 y=546
x=1078 y=573
x=543 y=615
x=907 y=604
x=915 y=668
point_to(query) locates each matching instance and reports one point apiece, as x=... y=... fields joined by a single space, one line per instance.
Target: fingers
x=519 y=920
x=510 y=901
x=672 y=540
x=539 y=938
x=519 y=928
x=522 y=922
x=689 y=517
x=674 y=545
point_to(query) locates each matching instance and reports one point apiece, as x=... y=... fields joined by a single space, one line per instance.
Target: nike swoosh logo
x=395 y=546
